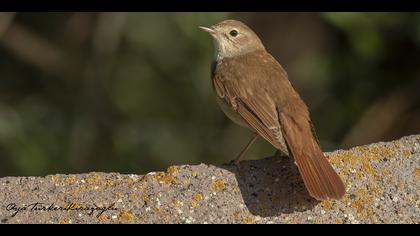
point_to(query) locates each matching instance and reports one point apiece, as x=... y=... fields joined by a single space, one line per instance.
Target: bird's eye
x=233 y=33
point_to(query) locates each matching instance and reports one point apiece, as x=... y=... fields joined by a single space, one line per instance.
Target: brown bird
x=253 y=90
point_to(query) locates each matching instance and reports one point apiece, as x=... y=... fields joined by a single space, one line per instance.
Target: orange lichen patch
x=196 y=198
x=129 y=180
x=386 y=171
x=193 y=204
x=165 y=178
x=74 y=191
x=358 y=205
x=70 y=179
x=218 y=185
x=327 y=205
x=248 y=220
x=108 y=183
x=417 y=174
x=160 y=177
x=374 y=188
x=358 y=161
x=172 y=170
x=338 y=221
x=362 y=203
x=348 y=157
x=399 y=145
x=407 y=153
x=176 y=203
x=64 y=221
x=95 y=179
x=352 y=156
x=103 y=218
x=367 y=169
x=375 y=152
x=126 y=216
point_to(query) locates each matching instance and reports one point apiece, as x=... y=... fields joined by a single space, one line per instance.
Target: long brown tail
x=319 y=177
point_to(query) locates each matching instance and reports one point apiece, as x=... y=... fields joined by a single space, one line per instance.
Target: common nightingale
x=254 y=91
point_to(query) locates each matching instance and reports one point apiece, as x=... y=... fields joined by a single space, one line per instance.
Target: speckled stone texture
x=382 y=187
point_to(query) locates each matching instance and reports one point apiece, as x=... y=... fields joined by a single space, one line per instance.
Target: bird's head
x=233 y=38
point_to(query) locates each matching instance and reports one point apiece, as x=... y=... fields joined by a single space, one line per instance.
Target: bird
x=254 y=91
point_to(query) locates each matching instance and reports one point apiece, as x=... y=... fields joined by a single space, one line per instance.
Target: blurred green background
x=131 y=92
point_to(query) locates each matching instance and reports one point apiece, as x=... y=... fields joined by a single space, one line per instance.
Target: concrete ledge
x=383 y=183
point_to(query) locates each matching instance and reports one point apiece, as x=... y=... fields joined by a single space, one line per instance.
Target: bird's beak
x=208 y=30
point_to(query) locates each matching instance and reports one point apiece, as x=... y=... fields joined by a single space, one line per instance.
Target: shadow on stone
x=272 y=186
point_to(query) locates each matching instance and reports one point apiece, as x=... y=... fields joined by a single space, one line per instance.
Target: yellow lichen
x=64 y=221
x=93 y=180
x=176 y=202
x=248 y=220
x=377 y=152
x=327 y=205
x=109 y=183
x=126 y=216
x=133 y=196
x=160 y=177
x=347 y=156
x=358 y=205
x=70 y=179
x=129 y=180
x=102 y=218
x=357 y=161
x=373 y=152
x=218 y=185
x=367 y=169
x=196 y=198
x=407 y=153
x=172 y=170
x=362 y=203
x=386 y=171
x=417 y=175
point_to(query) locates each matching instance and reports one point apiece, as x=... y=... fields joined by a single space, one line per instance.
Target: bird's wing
x=255 y=105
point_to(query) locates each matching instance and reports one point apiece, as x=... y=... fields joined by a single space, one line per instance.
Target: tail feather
x=321 y=180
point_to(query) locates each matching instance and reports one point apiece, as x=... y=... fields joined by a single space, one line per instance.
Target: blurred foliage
x=131 y=92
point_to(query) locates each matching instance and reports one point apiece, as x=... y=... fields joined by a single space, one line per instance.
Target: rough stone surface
x=382 y=182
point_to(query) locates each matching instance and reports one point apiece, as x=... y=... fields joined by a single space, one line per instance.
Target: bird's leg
x=243 y=152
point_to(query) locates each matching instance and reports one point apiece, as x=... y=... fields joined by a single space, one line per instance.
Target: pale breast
x=234 y=116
